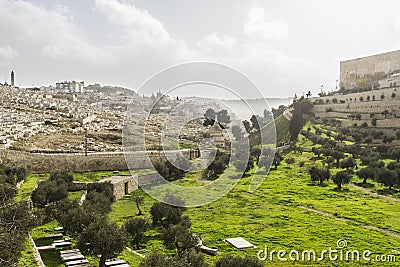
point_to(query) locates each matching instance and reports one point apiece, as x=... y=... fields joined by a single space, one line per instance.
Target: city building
x=70 y=87
x=369 y=72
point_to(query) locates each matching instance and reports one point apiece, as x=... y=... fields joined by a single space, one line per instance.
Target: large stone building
x=370 y=72
x=70 y=87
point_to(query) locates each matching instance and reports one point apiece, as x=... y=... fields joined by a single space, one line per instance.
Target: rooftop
x=117 y=178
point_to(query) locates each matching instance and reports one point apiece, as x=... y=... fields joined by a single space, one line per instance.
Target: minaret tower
x=12 y=78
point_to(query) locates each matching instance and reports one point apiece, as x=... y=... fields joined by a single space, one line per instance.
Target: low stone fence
x=36 y=253
x=77 y=186
x=39 y=163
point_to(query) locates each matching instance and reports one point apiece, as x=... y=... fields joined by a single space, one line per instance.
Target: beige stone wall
x=362 y=107
x=38 y=163
x=352 y=102
x=119 y=188
x=353 y=105
x=371 y=68
x=351 y=98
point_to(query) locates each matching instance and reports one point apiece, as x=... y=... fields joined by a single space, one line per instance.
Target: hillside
x=282 y=130
x=377 y=108
x=110 y=89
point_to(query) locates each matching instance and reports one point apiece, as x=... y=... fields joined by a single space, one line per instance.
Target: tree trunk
x=365 y=181
x=140 y=212
x=339 y=186
x=178 y=248
x=102 y=262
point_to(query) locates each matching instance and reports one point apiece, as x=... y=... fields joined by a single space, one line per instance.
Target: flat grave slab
x=46 y=248
x=54 y=235
x=69 y=257
x=239 y=243
x=77 y=262
x=62 y=244
x=69 y=251
x=115 y=263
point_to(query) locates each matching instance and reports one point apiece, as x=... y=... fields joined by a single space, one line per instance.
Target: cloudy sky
x=283 y=46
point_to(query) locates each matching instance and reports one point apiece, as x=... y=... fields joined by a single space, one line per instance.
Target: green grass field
x=271 y=217
x=28 y=186
x=27 y=258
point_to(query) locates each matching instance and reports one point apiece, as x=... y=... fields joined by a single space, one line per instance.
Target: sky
x=284 y=47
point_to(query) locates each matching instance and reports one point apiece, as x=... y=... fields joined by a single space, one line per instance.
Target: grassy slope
x=28 y=186
x=282 y=129
x=271 y=216
x=27 y=257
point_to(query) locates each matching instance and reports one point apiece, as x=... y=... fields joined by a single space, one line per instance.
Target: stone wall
x=393 y=106
x=119 y=187
x=355 y=98
x=38 y=163
x=368 y=70
x=345 y=107
x=347 y=104
x=118 y=182
x=148 y=177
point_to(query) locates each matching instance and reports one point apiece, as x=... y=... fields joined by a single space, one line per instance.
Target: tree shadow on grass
x=318 y=184
x=343 y=190
x=42 y=241
x=51 y=258
x=387 y=191
x=210 y=178
x=152 y=237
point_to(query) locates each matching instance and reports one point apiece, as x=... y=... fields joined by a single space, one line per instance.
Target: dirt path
x=19 y=184
x=365 y=190
x=204 y=181
x=325 y=214
x=83 y=197
x=135 y=252
x=369 y=227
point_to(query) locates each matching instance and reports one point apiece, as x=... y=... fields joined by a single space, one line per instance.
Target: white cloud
x=49 y=33
x=214 y=43
x=396 y=22
x=139 y=26
x=7 y=53
x=52 y=42
x=258 y=24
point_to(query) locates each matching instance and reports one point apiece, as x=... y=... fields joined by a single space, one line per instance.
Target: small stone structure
x=239 y=243
x=219 y=135
x=122 y=184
